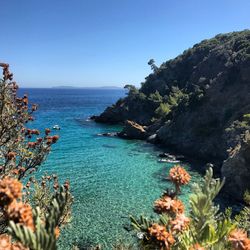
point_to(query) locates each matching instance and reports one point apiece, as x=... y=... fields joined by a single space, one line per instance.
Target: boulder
x=152 y=139
x=133 y=130
x=93 y=117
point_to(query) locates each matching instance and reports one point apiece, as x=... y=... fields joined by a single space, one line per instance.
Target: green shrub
x=246 y=118
x=247 y=197
x=155 y=97
x=163 y=110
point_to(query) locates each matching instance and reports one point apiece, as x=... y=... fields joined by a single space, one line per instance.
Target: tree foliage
x=151 y=63
x=34 y=215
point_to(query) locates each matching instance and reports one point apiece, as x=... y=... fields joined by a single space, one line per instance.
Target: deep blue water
x=110 y=178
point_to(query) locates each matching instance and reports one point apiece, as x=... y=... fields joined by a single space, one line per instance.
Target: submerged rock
x=109 y=134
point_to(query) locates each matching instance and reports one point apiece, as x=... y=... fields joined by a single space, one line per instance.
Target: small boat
x=168 y=160
x=171 y=157
x=163 y=160
x=56 y=127
x=172 y=161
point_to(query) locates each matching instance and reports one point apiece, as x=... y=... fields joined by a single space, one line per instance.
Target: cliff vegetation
x=198 y=104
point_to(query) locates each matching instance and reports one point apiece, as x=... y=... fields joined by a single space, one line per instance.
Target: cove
x=110 y=178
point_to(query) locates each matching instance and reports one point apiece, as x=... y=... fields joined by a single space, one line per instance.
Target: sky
x=91 y=43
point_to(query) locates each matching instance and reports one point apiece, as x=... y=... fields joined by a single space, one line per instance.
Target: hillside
x=199 y=104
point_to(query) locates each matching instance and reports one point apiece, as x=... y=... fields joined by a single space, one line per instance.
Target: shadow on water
x=133 y=154
x=85 y=244
x=109 y=146
x=161 y=175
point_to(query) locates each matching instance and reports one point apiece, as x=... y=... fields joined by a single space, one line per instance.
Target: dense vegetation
x=197 y=103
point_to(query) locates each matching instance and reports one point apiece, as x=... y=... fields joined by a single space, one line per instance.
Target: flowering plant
x=205 y=227
x=31 y=211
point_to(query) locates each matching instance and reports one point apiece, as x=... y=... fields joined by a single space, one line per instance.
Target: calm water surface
x=110 y=178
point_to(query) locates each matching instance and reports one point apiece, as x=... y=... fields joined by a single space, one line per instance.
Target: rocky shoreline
x=240 y=157
x=133 y=130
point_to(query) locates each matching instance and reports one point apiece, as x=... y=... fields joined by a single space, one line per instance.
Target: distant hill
x=109 y=87
x=63 y=87
x=73 y=87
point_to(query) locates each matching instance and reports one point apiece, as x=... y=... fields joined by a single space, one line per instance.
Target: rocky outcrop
x=197 y=103
x=122 y=111
x=133 y=130
x=236 y=169
x=111 y=116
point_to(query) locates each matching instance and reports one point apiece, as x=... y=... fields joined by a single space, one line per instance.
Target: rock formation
x=236 y=169
x=133 y=130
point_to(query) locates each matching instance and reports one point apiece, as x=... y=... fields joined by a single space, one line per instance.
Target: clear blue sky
x=106 y=42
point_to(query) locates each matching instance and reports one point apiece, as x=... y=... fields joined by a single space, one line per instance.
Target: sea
x=111 y=178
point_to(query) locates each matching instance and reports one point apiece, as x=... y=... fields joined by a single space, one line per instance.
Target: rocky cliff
x=236 y=168
x=197 y=103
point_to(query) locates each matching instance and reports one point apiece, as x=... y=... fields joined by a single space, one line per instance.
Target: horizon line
x=73 y=87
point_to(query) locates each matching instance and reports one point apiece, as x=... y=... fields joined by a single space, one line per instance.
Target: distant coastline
x=73 y=87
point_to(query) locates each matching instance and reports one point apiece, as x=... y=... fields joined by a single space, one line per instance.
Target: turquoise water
x=110 y=178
